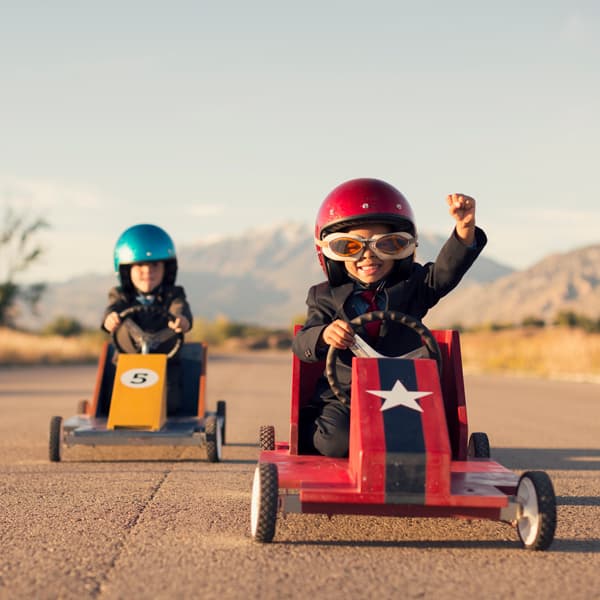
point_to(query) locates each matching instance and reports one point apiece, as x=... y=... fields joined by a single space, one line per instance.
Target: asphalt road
x=163 y=523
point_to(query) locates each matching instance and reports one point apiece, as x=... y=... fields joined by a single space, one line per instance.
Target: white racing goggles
x=386 y=246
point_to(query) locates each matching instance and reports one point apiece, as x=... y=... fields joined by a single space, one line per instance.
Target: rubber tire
x=214 y=444
x=537 y=523
x=222 y=412
x=267 y=437
x=265 y=497
x=479 y=445
x=55 y=441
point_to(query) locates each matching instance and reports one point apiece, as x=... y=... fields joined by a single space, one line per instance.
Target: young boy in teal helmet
x=146 y=266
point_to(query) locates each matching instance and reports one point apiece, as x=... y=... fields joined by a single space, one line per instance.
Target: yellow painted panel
x=139 y=398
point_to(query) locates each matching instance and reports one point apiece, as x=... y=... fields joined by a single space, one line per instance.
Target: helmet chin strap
x=402 y=268
x=148 y=298
x=376 y=285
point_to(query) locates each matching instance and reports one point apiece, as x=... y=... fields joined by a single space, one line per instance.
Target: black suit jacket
x=413 y=296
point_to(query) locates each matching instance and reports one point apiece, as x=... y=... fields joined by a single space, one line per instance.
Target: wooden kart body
x=129 y=405
x=407 y=460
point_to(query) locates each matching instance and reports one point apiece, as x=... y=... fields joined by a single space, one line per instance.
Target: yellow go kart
x=129 y=405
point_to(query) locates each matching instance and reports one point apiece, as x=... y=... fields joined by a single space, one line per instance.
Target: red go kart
x=410 y=454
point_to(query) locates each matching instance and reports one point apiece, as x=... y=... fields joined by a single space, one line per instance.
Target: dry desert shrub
x=553 y=352
x=547 y=352
x=18 y=347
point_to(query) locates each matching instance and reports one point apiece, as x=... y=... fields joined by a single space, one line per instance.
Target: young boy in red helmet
x=366 y=239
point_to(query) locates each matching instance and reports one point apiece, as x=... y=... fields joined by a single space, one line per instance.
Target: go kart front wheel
x=214 y=442
x=265 y=496
x=536 y=523
x=56 y=439
x=222 y=414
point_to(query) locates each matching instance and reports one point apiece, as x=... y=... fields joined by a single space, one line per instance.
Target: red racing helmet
x=356 y=202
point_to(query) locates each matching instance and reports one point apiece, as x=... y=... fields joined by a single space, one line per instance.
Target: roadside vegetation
x=19 y=250
x=65 y=340
x=551 y=352
x=568 y=348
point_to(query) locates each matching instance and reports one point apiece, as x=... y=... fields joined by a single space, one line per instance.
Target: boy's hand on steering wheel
x=180 y=325
x=112 y=321
x=338 y=334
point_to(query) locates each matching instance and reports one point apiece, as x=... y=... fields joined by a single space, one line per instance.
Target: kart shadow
x=242 y=445
x=166 y=461
x=160 y=457
x=559 y=459
x=578 y=500
x=569 y=545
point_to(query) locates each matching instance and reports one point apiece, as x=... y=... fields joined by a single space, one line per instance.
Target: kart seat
x=105 y=376
x=304 y=381
x=193 y=365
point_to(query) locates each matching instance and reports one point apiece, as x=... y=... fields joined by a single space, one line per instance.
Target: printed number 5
x=139 y=378
x=136 y=378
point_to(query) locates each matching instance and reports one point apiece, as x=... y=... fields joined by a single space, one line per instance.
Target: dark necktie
x=372 y=328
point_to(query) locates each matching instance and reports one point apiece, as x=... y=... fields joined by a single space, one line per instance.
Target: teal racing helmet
x=144 y=243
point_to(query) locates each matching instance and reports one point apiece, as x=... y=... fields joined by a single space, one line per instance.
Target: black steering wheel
x=145 y=341
x=430 y=345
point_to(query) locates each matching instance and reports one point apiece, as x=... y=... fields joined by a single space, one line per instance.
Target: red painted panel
x=367 y=438
x=435 y=432
x=453 y=389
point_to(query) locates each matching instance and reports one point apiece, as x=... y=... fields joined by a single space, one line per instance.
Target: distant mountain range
x=262 y=277
x=560 y=282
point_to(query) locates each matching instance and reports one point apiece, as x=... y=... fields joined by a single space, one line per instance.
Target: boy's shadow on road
x=553 y=459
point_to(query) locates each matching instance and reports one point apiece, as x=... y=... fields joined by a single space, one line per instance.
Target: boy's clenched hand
x=462 y=209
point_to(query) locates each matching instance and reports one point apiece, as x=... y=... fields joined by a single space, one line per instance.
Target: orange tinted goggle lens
x=392 y=244
x=346 y=246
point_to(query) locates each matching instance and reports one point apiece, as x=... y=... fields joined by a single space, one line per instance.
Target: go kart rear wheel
x=214 y=443
x=56 y=439
x=265 y=496
x=222 y=414
x=536 y=523
x=479 y=445
x=267 y=437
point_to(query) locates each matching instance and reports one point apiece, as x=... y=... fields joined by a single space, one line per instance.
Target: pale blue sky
x=210 y=118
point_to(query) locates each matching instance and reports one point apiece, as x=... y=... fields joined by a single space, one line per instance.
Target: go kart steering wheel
x=145 y=341
x=429 y=344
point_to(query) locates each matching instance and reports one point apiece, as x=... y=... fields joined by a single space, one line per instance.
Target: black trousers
x=174 y=386
x=325 y=429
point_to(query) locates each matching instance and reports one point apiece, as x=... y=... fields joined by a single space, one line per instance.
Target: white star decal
x=399 y=396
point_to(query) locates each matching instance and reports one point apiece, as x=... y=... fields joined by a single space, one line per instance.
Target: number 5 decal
x=139 y=378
